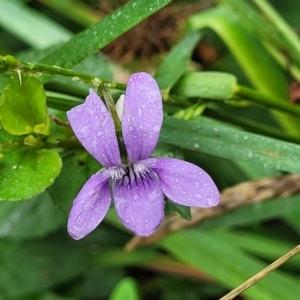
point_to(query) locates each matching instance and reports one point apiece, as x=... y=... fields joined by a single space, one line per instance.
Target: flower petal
x=139 y=202
x=142 y=116
x=94 y=128
x=185 y=183
x=90 y=206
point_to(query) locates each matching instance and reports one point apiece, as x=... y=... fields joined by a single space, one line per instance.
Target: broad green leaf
x=267 y=247
x=125 y=289
x=210 y=252
x=256 y=213
x=272 y=29
x=102 y=33
x=166 y=150
x=206 y=85
x=15 y=223
x=292 y=218
x=175 y=62
x=26 y=172
x=6 y=138
x=271 y=26
x=23 y=106
x=31 y=26
x=79 y=12
x=35 y=266
x=219 y=139
x=3 y=80
x=255 y=61
x=75 y=172
x=61 y=101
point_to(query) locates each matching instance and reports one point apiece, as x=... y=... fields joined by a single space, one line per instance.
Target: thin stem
x=263 y=100
x=56 y=70
x=260 y=275
x=107 y=98
x=9 y=63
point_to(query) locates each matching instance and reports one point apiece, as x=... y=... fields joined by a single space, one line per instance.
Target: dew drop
x=91 y=192
x=156 y=128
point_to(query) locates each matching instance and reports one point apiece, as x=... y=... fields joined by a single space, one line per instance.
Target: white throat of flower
x=132 y=171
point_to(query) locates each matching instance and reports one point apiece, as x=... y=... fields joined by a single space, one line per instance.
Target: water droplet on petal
x=156 y=128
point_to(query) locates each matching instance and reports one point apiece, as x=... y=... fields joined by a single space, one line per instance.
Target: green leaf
x=30 y=267
x=61 y=101
x=23 y=106
x=183 y=211
x=40 y=296
x=256 y=213
x=125 y=289
x=31 y=26
x=219 y=139
x=75 y=172
x=210 y=252
x=101 y=34
x=267 y=247
x=255 y=60
x=44 y=218
x=5 y=137
x=206 y=85
x=175 y=62
x=116 y=257
x=26 y=172
x=285 y=31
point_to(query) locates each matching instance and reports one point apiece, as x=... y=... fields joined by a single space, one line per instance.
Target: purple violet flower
x=137 y=188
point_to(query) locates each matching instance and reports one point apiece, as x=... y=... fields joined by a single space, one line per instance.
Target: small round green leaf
x=23 y=106
x=26 y=172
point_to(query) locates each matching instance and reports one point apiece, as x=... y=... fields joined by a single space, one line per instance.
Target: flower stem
x=107 y=98
x=9 y=63
x=263 y=100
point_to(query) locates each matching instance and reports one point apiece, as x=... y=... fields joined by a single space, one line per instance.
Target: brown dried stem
x=231 y=198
